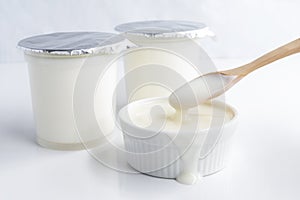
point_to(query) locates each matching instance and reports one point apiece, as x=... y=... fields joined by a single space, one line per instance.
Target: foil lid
x=75 y=43
x=165 y=29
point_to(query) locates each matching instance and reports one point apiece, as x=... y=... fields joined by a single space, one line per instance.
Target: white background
x=244 y=28
x=266 y=152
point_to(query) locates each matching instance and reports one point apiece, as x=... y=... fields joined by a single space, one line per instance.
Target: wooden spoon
x=213 y=84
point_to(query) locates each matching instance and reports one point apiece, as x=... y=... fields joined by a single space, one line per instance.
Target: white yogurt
x=187 y=131
x=200 y=90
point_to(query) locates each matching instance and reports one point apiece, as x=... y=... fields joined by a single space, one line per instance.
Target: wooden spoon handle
x=281 y=52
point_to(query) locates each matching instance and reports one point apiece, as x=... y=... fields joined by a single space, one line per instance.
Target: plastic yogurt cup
x=163 y=143
x=173 y=45
x=54 y=62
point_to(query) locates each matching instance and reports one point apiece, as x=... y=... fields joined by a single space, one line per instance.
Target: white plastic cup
x=172 y=44
x=71 y=110
x=52 y=81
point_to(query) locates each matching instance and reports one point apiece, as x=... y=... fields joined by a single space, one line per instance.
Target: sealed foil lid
x=165 y=29
x=75 y=43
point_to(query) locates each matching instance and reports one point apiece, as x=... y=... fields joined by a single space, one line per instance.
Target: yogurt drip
x=189 y=153
x=191 y=95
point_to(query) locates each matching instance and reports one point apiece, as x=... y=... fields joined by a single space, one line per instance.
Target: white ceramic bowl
x=156 y=155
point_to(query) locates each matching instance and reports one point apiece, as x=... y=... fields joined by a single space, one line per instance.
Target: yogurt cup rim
x=165 y=29
x=65 y=44
x=226 y=124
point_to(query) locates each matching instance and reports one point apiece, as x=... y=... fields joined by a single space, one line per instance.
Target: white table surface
x=265 y=162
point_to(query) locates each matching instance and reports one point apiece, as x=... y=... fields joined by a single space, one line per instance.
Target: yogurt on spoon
x=200 y=89
x=214 y=84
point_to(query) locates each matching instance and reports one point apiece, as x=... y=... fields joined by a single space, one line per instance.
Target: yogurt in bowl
x=163 y=142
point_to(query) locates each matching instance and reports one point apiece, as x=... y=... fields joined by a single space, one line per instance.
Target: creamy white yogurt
x=200 y=90
x=187 y=130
